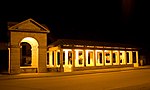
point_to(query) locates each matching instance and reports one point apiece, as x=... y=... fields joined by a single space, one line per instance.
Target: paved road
x=124 y=80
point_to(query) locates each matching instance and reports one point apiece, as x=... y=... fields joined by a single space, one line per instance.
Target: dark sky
x=124 y=21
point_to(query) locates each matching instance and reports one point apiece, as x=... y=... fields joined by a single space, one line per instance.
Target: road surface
x=123 y=80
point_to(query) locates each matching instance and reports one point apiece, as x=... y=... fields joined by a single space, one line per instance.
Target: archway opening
x=29 y=52
x=26 y=54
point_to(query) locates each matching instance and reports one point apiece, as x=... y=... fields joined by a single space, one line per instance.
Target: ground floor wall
x=27 y=52
x=83 y=58
x=62 y=60
x=70 y=69
x=15 y=57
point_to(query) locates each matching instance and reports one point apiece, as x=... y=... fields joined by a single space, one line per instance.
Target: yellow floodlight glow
x=34 y=47
x=31 y=41
x=67 y=50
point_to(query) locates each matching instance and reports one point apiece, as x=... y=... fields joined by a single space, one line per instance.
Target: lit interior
x=34 y=50
x=101 y=57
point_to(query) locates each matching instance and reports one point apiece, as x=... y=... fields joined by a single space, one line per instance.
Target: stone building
x=27 y=47
x=83 y=54
x=28 y=51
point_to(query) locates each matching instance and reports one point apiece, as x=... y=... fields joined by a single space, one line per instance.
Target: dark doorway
x=26 y=54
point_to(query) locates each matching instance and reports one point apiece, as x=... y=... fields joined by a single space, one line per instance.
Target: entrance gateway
x=28 y=47
x=29 y=52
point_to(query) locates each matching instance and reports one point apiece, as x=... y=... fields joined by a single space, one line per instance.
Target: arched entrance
x=25 y=54
x=32 y=35
x=29 y=52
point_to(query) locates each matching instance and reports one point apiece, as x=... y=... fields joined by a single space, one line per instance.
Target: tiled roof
x=88 y=43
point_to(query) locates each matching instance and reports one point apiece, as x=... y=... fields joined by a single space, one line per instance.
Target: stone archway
x=34 y=50
x=33 y=33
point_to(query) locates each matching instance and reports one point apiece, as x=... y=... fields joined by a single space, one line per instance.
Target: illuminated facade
x=28 y=51
x=27 y=47
x=82 y=54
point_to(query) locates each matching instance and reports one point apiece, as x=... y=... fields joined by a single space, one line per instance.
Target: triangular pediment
x=29 y=25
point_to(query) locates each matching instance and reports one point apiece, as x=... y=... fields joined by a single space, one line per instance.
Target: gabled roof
x=28 y=25
x=88 y=43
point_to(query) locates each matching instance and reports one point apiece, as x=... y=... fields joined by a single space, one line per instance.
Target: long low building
x=69 y=55
x=27 y=51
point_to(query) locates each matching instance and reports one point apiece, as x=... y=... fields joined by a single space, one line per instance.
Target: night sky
x=124 y=21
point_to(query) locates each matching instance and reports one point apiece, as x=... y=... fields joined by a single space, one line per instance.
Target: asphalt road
x=123 y=80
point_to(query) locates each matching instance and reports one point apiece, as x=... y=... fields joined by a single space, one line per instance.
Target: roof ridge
x=88 y=43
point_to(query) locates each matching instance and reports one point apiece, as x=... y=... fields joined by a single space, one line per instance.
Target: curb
x=57 y=74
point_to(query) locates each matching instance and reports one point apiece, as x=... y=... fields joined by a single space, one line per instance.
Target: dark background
x=123 y=21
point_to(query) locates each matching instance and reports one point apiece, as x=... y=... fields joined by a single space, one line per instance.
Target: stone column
x=118 y=57
x=103 y=57
x=66 y=58
x=42 y=67
x=34 y=56
x=94 y=57
x=50 y=59
x=111 y=58
x=73 y=59
x=125 y=57
x=61 y=60
x=84 y=53
x=55 y=60
x=131 y=57
x=137 y=61
x=137 y=57
x=14 y=60
x=9 y=60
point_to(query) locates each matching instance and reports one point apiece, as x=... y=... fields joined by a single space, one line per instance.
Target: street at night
x=123 y=80
x=75 y=45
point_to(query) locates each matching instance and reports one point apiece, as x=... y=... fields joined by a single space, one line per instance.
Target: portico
x=27 y=47
x=28 y=51
x=81 y=53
